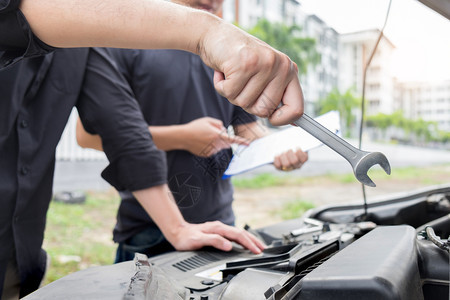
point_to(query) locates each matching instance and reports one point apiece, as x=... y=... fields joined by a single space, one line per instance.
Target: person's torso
x=37 y=96
x=175 y=87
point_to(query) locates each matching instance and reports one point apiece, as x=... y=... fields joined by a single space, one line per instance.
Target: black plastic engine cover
x=383 y=264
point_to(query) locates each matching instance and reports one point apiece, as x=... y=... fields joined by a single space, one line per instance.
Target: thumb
x=219 y=79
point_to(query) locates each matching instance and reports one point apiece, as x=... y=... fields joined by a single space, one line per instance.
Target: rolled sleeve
x=17 y=41
x=107 y=107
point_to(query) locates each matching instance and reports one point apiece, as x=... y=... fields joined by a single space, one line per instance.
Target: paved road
x=70 y=176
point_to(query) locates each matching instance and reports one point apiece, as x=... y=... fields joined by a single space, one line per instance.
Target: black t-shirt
x=176 y=87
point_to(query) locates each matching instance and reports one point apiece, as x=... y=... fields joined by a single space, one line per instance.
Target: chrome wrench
x=361 y=161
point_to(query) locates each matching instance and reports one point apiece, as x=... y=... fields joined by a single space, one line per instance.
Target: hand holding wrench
x=361 y=161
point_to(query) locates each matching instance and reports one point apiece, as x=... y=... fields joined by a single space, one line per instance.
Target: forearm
x=116 y=23
x=165 y=138
x=169 y=138
x=161 y=207
x=87 y=140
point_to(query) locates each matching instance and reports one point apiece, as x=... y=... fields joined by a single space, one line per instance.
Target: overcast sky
x=421 y=36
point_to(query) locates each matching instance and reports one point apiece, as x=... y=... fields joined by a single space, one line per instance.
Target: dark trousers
x=9 y=280
x=149 y=241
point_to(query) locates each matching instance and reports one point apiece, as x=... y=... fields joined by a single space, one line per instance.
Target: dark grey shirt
x=176 y=87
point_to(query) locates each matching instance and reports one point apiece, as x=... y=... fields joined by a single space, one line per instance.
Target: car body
x=396 y=249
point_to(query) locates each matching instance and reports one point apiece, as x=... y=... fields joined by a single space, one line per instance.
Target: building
x=429 y=101
x=355 y=50
x=247 y=13
x=320 y=79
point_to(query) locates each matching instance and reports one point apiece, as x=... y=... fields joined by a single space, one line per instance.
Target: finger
x=303 y=156
x=277 y=162
x=233 y=234
x=292 y=108
x=285 y=164
x=247 y=242
x=213 y=150
x=218 y=79
x=216 y=241
x=272 y=87
x=222 y=142
x=294 y=161
x=231 y=86
x=255 y=240
x=235 y=139
x=256 y=97
x=266 y=92
x=209 y=150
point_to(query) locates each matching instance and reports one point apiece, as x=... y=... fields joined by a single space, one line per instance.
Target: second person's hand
x=206 y=136
x=215 y=234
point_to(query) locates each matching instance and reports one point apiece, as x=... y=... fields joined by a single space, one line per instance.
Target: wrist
x=174 y=231
x=208 y=36
x=184 y=138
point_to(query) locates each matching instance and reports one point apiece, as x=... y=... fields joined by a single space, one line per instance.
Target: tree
x=380 y=121
x=344 y=104
x=287 y=40
x=424 y=131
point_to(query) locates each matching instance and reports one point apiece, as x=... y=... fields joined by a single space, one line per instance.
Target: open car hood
x=399 y=250
x=440 y=6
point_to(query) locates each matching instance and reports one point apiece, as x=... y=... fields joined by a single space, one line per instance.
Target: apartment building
x=429 y=101
x=320 y=79
x=355 y=50
x=247 y=13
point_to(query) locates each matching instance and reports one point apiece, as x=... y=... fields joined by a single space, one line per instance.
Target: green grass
x=257 y=182
x=81 y=231
x=294 y=209
x=426 y=175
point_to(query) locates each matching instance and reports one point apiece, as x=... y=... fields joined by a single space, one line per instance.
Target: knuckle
x=246 y=104
x=289 y=67
x=215 y=223
x=249 y=60
x=262 y=111
x=297 y=111
x=294 y=67
x=232 y=95
x=270 y=60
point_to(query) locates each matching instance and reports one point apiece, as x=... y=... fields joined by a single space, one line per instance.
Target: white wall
x=68 y=148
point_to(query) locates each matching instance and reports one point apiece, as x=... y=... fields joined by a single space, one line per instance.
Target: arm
x=160 y=205
x=87 y=140
x=286 y=161
x=249 y=73
x=107 y=106
x=202 y=137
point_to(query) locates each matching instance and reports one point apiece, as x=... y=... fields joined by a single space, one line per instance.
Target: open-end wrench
x=361 y=161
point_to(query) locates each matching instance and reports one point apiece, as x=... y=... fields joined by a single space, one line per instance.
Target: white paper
x=262 y=151
x=214 y=273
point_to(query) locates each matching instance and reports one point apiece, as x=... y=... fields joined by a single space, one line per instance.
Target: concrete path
x=70 y=176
